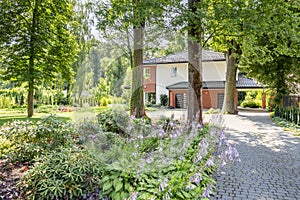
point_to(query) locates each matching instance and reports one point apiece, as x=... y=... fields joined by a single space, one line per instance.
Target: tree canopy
x=38 y=45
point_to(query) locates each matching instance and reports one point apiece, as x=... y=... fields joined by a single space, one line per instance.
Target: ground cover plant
x=287 y=125
x=26 y=139
x=117 y=159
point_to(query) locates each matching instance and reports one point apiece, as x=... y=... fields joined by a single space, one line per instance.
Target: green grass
x=11 y=115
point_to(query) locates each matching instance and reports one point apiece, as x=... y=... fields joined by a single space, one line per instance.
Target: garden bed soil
x=10 y=174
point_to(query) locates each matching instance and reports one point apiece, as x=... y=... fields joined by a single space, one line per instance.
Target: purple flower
x=196 y=178
x=206 y=192
x=210 y=162
x=92 y=137
x=163 y=184
x=133 y=196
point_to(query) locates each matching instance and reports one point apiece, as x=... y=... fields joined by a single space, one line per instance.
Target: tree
x=195 y=34
x=122 y=15
x=271 y=55
x=39 y=45
x=225 y=27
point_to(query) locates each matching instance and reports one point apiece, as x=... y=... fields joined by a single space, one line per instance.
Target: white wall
x=214 y=71
x=211 y=71
x=164 y=77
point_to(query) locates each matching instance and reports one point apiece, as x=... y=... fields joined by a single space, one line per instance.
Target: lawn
x=11 y=115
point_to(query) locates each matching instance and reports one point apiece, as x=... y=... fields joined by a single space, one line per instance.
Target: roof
x=242 y=83
x=182 y=57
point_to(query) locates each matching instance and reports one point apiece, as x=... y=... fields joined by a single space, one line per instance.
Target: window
x=174 y=72
x=147 y=72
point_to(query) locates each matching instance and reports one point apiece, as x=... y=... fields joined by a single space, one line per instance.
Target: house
x=169 y=75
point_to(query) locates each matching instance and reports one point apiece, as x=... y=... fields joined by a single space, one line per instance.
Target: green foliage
x=103 y=101
x=157 y=165
x=5 y=102
x=213 y=111
x=252 y=103
x=45 y=48
x=141 y=126
x=164 y=100
x=117 y=100
x=287 y=125
x=5 y=147
x=47 y=109
x=253 y=99
x=271 y=55
x=291 y=114
x=66 y=173
x=114 y=120
x=130 y=175
x=31 y=139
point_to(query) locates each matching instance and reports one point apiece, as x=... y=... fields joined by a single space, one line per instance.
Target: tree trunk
x=129 y=48
x=137 y=97
x=229 y=104
x=30 y=99
x=194 y=68
x=31 y=60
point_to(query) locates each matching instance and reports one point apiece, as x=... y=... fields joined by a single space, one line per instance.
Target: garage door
x=180 y=100
x=220 y=100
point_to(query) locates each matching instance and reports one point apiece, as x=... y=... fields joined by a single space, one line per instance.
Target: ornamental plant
x=176 y=162
x=30 y=139
x=66 y=173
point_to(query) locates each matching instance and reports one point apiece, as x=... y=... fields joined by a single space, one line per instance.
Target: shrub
x=117 y=100
x=47 y=109
x=114 y=120
x=164 y=99
x=5 y=146
x=251 y=104
x=5 y=102
x=141 y=126
x=29 y=139
x=67 y=173
x=103 y=101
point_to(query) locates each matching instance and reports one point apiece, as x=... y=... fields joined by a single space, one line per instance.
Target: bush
x=29 y=139
x=251 y=104
x=5 y=102
x=174 y=164
x=5 y=146
x=164 y=99
x=141 y=126
x=47 y=109
x=114 y=120
x=103 y=101
x=67 y=173
x=117 y=100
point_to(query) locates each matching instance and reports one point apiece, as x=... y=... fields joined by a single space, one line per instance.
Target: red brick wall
x=149 y=83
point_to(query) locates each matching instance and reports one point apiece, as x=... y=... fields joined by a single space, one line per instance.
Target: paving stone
x=270 y=160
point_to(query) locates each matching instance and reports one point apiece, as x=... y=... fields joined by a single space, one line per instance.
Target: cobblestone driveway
x=270 y=160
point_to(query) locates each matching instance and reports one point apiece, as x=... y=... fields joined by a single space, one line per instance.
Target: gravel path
x=270 y=160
